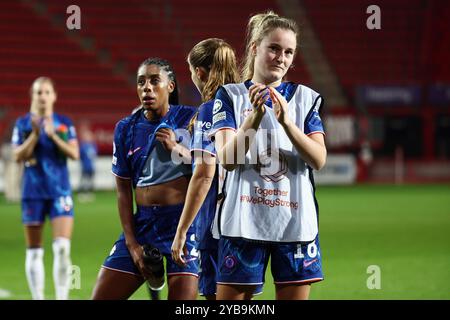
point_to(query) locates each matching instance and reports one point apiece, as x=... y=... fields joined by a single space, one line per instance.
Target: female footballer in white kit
x=269 y=137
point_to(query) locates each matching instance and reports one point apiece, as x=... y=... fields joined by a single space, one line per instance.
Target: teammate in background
x=142 y=160
x=12 y=171
x=43 y=140
x=212 y=63
x=269 y=137
x=88 y=155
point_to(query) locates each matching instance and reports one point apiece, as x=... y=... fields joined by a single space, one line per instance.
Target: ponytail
x=219 y=60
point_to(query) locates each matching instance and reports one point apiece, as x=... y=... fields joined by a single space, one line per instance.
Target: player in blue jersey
x=212 y=63
x=43 y=140
x=269 y=137
x=144 y=147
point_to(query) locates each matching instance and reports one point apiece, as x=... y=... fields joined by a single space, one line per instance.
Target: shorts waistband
x=159 y=210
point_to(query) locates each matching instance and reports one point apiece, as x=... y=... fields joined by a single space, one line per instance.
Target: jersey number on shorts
x=311 y=251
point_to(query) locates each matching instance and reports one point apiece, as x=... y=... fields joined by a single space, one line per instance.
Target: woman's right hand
x=137 y=254
x=36 y=124
x=258 y=94
x=167 y=138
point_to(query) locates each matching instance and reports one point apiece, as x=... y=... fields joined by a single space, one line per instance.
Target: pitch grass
x=404 y=230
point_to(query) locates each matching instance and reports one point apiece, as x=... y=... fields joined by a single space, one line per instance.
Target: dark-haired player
x=144 y=145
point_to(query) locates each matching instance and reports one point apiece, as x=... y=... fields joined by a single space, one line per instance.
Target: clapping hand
x=49 y=128
x=258 y=94
x=36 y=123
x=280 y=106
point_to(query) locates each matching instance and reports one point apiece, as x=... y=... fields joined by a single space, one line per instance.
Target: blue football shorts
x=34 y=211
x=244 y=262
x=156 y=226
x=209 y=271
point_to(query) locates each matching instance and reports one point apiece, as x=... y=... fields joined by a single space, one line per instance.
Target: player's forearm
x=233 y=148
x=198 y=189
x=24 y=151
x=311 y=151
x=125 y=207
x=69 y=149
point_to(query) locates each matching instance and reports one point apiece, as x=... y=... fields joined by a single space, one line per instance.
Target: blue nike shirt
x=46 y=175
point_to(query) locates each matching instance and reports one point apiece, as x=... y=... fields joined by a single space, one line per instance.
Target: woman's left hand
x=179 y=249
x=280 y=106
x=167 y=137
x=49 y=128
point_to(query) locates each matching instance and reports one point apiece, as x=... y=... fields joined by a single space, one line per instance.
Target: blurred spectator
x=88 y=155
x=12 y=171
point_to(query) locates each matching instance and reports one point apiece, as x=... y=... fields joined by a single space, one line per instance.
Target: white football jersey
x=271 y=196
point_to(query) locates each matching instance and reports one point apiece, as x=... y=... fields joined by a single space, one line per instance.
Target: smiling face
x=274 y=56
x=154 y=88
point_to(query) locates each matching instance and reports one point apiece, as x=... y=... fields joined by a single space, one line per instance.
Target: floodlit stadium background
x=385 y=193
